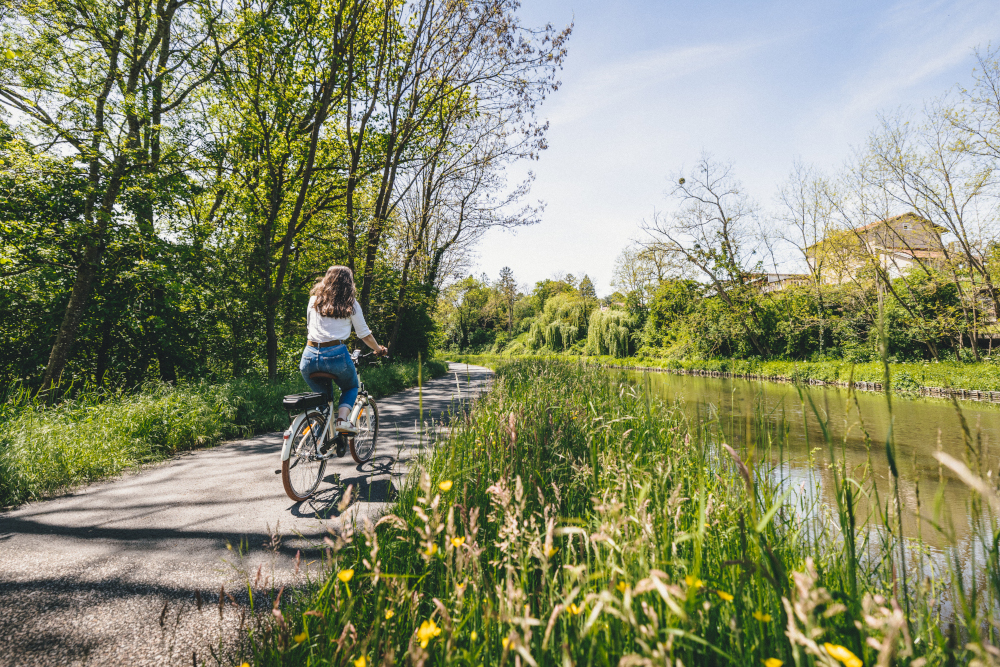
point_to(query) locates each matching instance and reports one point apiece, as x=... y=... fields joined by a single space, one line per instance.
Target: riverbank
x=973 y=382
x=45 y=450
x=573 y=520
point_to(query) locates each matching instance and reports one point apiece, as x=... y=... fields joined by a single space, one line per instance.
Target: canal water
x=920 y=426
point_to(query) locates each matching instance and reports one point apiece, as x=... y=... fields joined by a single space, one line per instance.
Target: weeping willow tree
x=536 y=336
x=610 y=333
x=560 y=336
x=560 y=324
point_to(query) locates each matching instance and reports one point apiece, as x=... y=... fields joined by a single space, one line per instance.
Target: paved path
x=129 y=571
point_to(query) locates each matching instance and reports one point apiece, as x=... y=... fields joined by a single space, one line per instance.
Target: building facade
x=896 y=244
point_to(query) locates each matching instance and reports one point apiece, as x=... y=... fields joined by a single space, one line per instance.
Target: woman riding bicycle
x=331 y=312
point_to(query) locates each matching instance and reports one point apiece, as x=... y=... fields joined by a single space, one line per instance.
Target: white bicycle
x=312 y=440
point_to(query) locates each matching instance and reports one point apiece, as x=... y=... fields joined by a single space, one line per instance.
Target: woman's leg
x=347 y=380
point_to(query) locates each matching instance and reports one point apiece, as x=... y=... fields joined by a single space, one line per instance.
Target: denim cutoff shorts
x=335 y=360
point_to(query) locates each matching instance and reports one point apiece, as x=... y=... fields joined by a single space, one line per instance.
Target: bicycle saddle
x=319 y=375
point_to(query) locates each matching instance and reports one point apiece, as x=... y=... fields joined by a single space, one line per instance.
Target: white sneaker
x=344 y=426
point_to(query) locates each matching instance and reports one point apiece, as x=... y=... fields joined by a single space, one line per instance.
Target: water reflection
x=920 y=425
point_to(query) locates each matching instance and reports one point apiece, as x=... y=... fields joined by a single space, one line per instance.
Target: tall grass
x=96 y=434
x=574 y=519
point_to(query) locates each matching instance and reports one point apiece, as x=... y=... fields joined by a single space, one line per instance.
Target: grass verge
x=97 y=434
x=574 y=519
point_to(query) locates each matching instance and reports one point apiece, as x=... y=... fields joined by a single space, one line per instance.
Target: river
x=920 y=426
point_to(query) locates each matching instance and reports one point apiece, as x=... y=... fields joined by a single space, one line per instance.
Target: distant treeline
x=684 y=319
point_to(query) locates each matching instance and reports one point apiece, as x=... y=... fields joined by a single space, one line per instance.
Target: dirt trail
x=129 y=571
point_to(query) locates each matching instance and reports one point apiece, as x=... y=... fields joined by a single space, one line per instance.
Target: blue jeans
x=335 y=360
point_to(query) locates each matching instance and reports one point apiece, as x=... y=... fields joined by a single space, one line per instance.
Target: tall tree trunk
x=86 y=272
x=144 y=210
x=272 y=341
x=107 y=327
x=401 y=296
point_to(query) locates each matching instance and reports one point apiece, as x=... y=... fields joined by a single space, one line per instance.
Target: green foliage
x=610 y=332
x=924 y=318
x=471 y=313
x=536 y=337
x=671 y=303
x=560 y=336
x=476 y=314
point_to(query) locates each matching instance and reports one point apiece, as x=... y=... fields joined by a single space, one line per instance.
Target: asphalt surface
x=130 y=571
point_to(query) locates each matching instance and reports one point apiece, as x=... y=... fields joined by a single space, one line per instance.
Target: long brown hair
x=335 y=293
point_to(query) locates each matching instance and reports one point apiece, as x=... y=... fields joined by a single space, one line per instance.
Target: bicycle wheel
x=363 y=444
x=303 y=471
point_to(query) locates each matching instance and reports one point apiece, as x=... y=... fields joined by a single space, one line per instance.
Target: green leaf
x=764 y=520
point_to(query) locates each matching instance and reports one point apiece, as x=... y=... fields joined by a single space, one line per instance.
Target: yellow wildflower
x=551 y=551
x=724 y=596
x=345 y=575
x=389 y=613
x=622 y=586
x=428 y=630
x=457 y=541
x=445 y=485
x=763 y=618
x=772 y=662
x=473 y=636
x=573 y=609
x=301 y=638
x=361 y=662
x=505 y=642
x=842 y=654
x=692 y=582
x=433 y=549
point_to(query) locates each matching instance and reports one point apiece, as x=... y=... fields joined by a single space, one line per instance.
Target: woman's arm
x=370 y=342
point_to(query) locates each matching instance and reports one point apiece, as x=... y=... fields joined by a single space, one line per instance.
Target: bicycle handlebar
x=357 y=356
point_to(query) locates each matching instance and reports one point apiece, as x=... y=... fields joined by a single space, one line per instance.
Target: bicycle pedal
x=278 y=471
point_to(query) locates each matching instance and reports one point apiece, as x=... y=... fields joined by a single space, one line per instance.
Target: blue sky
x=648 y=86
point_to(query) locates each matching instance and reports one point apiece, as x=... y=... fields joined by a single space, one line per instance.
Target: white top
x=324 y=329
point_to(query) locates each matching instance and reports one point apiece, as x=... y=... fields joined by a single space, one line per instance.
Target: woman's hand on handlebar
x=380 y=350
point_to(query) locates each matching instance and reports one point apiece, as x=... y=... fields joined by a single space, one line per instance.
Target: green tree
x=507 y=286
x=715 y=230
x=673 y=301
x=80 y=74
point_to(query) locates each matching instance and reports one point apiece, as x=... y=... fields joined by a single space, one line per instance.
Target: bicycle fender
x=286 y=442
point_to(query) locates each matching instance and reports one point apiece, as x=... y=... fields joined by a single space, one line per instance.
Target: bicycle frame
x=286 y=445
